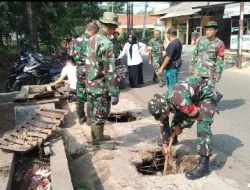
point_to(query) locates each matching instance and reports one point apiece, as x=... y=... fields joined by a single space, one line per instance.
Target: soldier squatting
x=190 y=100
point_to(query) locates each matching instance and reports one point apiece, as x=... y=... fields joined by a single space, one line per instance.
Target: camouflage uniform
x=195 y=91
x=156 y=47
x=102 y=78
x=117 y=46
x=208 y=56
x=78 y=51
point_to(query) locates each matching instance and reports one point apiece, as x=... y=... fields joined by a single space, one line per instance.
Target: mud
x=121 y=117
x=176 y=164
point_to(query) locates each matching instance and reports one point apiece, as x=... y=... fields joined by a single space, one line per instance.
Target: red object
x=188 y=109
x=221 y=51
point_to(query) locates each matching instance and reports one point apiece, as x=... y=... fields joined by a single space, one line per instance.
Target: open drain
x=155 y=165
x=121 y=117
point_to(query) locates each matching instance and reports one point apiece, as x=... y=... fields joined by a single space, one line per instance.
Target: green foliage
x=173 y=3
x=118 y=7
x=138 y=32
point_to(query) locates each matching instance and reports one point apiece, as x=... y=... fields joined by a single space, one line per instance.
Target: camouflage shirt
x=117 y=46
x=78 y=51
x=208 y=58
x=193 y=90
x=101 y=70
x=156 y=46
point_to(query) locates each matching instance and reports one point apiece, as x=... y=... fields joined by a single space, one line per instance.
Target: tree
x=118 y=7
x=32 y=21
x=173 y=3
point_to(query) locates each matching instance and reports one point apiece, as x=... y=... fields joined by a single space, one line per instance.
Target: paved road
x=231 y=126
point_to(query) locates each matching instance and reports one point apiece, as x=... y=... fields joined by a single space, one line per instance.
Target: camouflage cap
x=158 y=105
x=109 y=18
x=212 y=24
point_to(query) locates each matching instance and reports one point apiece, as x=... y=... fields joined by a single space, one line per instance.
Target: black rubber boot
x=80 y=112
x=201 y=170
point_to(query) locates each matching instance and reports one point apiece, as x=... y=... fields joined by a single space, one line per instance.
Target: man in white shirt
x=68 y=71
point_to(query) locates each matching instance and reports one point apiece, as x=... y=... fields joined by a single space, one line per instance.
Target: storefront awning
x=181 y=13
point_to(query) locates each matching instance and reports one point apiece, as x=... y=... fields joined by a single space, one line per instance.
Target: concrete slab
x=60 y=176
x=23 y=112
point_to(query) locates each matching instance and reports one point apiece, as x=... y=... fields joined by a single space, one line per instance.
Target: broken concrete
x=114 y=169
x=60 y=176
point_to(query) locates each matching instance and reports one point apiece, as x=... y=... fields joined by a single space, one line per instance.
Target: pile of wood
x=34 y=131
x=42 y=93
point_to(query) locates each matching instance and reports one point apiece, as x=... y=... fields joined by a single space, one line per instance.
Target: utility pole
x=239 y=65
x=112 y=6
x=145 y=21
x=128 y=17
x=132 y=15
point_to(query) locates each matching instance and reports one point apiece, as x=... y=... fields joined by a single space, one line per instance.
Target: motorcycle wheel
x=8 y=85
x=122 y=84
x=17 y=86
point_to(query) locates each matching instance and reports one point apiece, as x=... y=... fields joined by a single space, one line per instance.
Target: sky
x=140 y=6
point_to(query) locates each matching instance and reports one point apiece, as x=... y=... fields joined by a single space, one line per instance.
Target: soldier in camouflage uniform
x=208 y=55
x=117 y=44
x=190 y=100
x=78 y=51
x=102 y=79
x=155 y=45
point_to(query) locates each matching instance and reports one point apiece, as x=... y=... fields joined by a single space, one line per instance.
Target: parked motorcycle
x=38 y=70
x=122 y=72
x=15 y=70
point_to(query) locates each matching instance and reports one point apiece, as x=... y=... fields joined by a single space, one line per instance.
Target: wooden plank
x=33 y=143
x=49 y=114
x=40 y=124
x=45 y=94
x=14 y=140
x=58 y=111
x=12 y=148
x=34 y=134
x=47 y=120
x=42 y=130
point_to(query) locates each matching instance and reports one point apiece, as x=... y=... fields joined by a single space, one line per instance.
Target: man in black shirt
x=172 y=61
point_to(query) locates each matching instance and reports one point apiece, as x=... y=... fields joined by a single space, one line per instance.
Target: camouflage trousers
x=204 y=121
x=99 y=108
x=171 y=76
x=156 y=64
x=81 y=92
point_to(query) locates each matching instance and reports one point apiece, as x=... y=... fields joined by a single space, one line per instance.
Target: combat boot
x=98 y=140
x=155 y=79
x=80 y=112
x=160 y=81
x=201 y=170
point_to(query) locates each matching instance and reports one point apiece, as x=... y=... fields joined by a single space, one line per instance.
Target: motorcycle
x=38 y=70
x=122 y=72
x=14 y=70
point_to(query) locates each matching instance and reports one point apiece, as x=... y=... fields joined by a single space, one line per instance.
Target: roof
x=169 y=9
x=215 y=4
x=186 y=8
x=138 y=19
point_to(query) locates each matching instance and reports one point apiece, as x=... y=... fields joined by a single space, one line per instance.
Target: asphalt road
x=231 y=136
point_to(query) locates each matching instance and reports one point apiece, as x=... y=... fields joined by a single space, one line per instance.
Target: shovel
x=168 y=153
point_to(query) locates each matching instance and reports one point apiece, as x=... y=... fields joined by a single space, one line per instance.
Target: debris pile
x=34 y=131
